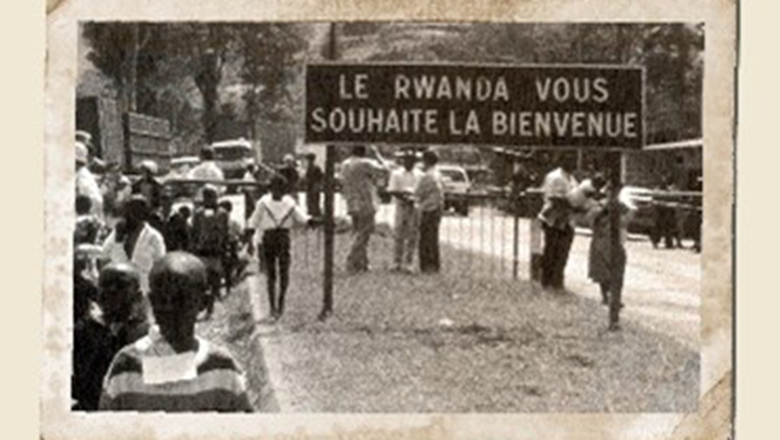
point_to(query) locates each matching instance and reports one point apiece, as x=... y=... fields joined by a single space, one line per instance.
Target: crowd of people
x=144 y=273
x=568 y=202
x=419 y=204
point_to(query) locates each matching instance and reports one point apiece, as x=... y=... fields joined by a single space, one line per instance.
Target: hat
x=149 y=166
x=82 y=153
x=83 y=136
x=210 y=190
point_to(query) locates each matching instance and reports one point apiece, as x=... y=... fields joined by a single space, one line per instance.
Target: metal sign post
x=615 y=246
x=330 y=221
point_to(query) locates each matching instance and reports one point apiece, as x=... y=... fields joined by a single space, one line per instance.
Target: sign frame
x=455 y=64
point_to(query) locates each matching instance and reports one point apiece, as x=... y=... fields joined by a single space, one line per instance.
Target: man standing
x=313 y=185
x=210 y=234
x=148 y=185
x=556 y=223
x=208 y=168
x=120 y=318
x=86 y=184
x=359 y=175
x=289 y=171
x=135 y=241
x=430 y=198
x=402 y=183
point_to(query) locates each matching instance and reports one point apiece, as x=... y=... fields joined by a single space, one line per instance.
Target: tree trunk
x=130 y=73
x=208 y=82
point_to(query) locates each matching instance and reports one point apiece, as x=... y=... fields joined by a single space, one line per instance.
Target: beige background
x=22 y=186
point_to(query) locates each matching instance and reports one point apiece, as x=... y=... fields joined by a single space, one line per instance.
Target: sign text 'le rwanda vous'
x=544 y=106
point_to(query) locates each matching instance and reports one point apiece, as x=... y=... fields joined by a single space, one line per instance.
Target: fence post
x=516 y=251
x=535 y=229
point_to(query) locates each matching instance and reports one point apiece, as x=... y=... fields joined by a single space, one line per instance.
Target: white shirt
x=148 y=249
x=207 y=170
x=558 y=184
x=86 y=185
x=402 y=180
x=272 y=214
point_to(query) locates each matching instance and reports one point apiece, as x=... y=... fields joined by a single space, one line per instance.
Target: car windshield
x=452 y=175
x=232 y=153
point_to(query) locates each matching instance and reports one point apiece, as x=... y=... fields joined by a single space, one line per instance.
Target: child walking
x=274 y=215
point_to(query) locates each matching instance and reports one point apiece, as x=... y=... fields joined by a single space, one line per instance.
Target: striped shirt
x=216 y=382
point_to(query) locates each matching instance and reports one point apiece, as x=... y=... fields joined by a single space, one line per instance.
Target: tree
x=269 y=55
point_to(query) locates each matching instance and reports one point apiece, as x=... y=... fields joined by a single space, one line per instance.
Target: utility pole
x=330 y=226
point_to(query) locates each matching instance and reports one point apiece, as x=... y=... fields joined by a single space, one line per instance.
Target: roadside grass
x=470 y=339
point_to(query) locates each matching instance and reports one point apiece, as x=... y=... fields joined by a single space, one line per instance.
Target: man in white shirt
x=207 y=170
x=556 y=218
x=135 y=241
x=274 y=215
x=402 y=183
x=86 y=184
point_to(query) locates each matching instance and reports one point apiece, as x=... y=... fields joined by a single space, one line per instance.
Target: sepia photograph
x=376 y=221
x=388 y=217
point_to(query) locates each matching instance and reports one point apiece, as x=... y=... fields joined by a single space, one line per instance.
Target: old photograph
x=387 y=217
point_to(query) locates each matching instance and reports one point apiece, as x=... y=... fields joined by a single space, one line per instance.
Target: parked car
x=233 y=157
x=457 y=187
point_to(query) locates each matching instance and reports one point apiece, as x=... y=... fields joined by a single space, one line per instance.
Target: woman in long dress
x=602 y=269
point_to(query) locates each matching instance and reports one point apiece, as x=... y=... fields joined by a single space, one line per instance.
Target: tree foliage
x=184 y=71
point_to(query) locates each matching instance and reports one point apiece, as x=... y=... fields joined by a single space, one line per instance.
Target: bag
x=210 y=231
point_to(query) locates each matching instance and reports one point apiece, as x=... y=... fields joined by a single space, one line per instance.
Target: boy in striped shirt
x=172 y=369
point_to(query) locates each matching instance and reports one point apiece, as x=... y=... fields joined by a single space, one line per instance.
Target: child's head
x=430 y=159
x=599 y=181
x=178 y=287
x=83 y=205
x=136 y=211
x=277 y=186
x=226 y=205
x=210 y=196
x=408 y=159
x=185 y=212
x=119 y=291
x=207 y=153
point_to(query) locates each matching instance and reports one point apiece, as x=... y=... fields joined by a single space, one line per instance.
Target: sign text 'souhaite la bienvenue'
x=599 y=107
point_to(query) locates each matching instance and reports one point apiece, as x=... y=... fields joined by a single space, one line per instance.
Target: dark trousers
x=557 y=244
x=429 y=241
x=276 y=256
x=363 y=225
x=313 y=203
x=665 y=229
